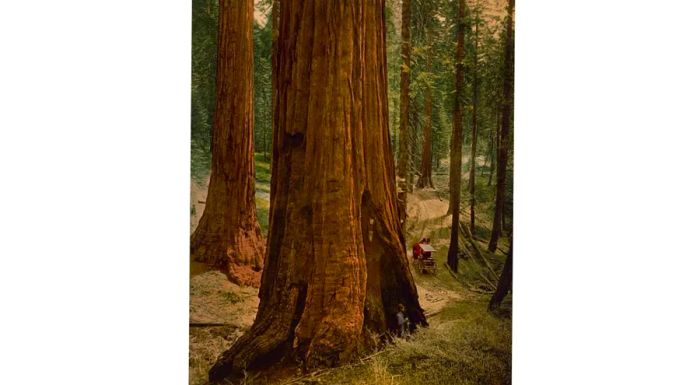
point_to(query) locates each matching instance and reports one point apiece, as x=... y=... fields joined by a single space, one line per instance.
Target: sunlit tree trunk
x=504 y=140
x=336 y=268
x=404 y=86
x=456 y=149
x=228 y=235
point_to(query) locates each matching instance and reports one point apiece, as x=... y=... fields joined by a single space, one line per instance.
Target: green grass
x=262 y=187
x=465 y=344
x=262 y=173
x=262 y=209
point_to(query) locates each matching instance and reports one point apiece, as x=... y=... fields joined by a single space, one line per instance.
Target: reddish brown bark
x=456 y=149
x=404 y=100
x=228 y=235
x=504 y=138
x=336 y=267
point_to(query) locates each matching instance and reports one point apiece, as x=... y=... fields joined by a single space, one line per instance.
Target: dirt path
x=427 y=213
x=427 y=216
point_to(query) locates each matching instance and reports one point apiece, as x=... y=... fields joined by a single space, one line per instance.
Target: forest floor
x=464 y=343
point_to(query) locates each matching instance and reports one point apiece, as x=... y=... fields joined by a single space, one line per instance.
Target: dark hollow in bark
x=336 y=268
x=228 y=235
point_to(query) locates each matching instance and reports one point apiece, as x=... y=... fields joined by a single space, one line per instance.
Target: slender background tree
x=504 y=137
x=456 y=149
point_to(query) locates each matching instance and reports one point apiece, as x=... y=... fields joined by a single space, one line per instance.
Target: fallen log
x=465 y=231
x=208 y=324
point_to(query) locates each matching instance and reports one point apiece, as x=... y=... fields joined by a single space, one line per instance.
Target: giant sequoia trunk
x=336 y=268
x=472 y=155
x=426 y=169
x=504 y=137
x=456 y=149
x=404 y=85
x=228 y=235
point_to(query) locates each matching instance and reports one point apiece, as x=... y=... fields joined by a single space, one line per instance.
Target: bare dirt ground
x=220 y=311
x=426 y=213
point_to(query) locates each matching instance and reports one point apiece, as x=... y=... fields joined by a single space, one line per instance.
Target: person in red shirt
x=417 y=251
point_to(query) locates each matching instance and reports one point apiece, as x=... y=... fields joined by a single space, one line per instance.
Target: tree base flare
x=241 y=258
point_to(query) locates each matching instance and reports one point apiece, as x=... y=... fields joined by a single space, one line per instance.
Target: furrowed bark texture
x=404 y=86
x=336 y=267
x=456 y=149
x=228 y=235
x=504 y=137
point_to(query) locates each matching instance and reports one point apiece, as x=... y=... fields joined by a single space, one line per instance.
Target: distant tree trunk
x=413 y=126
x=336 y=268
x=475 y=96
x=426 y=170
x=488 y=158
x=228 y=235
x=504 y=140
x=275 y=33
x=505 y=283
x=404 y=86
x=456 y=150
x=495 y=139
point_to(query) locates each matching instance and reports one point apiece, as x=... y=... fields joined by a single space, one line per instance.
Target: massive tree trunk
x=336 y=268
x=404 y=85
x=504 y=139
x=475 y=96
x=456 y=150
x=228 y=235
x=426 y=169
x=505 y=283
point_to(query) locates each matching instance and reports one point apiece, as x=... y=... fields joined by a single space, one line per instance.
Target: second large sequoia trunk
x=228 y=235
x=336 y=268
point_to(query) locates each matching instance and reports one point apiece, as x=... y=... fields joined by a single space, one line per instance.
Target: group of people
x=418 y=252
